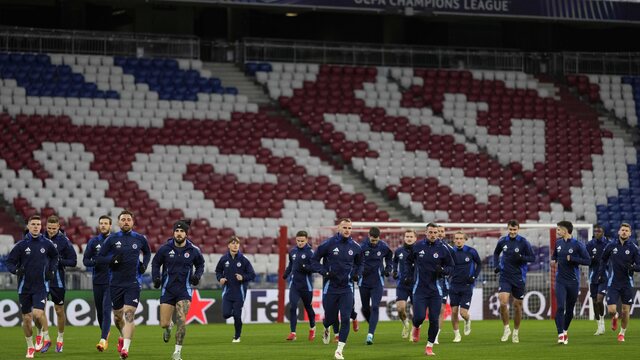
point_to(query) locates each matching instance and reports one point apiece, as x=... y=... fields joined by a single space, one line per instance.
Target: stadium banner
x=261 y=306
x=578 y=10
x=206 y=308
x=537 y=304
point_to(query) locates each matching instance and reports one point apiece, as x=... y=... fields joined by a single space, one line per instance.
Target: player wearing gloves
x=428 y=261
x=298 y=273
x=122 y=252
x=339 y=260
x=624 y=259
x=568 y=254
x=377 y=259
x=466 y=271
x=34 y=260
x=177 y=257
x=512 y=267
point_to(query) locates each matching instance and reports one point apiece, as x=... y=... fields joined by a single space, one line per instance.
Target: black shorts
x=30 y=301
x=57 y=295
x=121 y=296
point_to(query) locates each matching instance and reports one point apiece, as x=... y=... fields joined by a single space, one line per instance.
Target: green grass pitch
x=266 y=341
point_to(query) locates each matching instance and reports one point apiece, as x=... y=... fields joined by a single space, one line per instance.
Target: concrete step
x=362 y=185
x=231 y=75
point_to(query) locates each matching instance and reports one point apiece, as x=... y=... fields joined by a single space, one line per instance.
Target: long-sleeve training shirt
x=620 y=256
x=400 y=263
x=428 y=262
x=299 y=270
x=342 y=258
x=66 y=257
x=177 y=265
x=595 y=248
x=36 y=255
x=568 y=271
x=228 y=266
x=99 y=271
x=467 y=264
x=516 y=253
x=129 y=244
x=377 y=259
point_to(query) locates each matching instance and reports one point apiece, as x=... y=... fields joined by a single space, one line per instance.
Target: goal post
x=540 y=298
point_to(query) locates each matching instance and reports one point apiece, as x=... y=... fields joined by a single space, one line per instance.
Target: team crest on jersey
x=466 y=259
x=627 y=252
x=435 y=255
x=615 y=250
x=172 y=253
x=135 y=246
x=303 y=256
x=27 y=251
x=378 y=253
x=350 y=252
x=570 y=251
x=42 y=250
x=55 y=245
x=186 y=255
x=517 y=250
x=226 y=264
x=118 y=245
x=239 y=264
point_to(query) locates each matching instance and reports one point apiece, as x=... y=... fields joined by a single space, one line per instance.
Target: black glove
x=601 y=279
x=157 y=282
x=439 y=271
x=354 y=277
x=408 y=281
x=471 y=279
x=306 y=268
x=631 y=269
x=329 y=274
x=115 y=260
x=49 y=275
x=285 y=276
x=386 y=273
x=141 y=268
x=395 y=275
x=19 y=272
x=194 y=280
x=496 y=270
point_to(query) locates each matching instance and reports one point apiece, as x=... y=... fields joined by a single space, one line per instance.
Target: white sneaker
x=457 y=337
x=338 y=355
x=176 y=356
x=505 y=334
x=515 y=338
x=600 y=330
x=326 y=336
x=235 y=340
x=467 y=327
x=406 y=328
x=560 y=338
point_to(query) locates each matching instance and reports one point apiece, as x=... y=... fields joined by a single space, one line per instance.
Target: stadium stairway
x=230 y=74
x=614 y=96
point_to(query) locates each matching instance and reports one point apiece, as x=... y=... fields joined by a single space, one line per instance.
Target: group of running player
x=427 y=272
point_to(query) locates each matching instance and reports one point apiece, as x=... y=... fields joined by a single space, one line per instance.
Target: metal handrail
x=98 y=43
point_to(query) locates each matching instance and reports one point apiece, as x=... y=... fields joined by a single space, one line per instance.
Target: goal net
x=539 y=301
